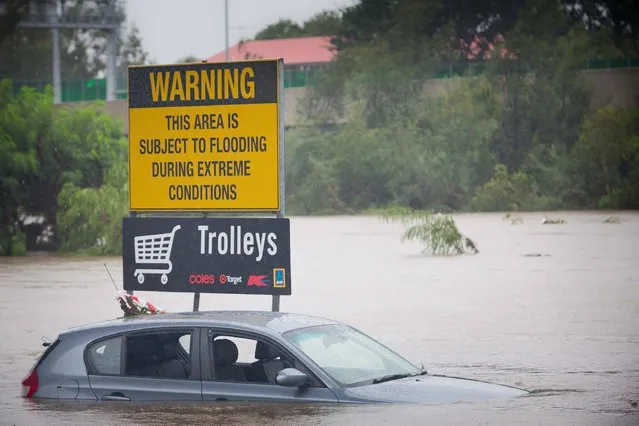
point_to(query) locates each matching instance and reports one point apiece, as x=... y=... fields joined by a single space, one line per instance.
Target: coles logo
x=229 y=279
x=201 y=279
x=257 y=281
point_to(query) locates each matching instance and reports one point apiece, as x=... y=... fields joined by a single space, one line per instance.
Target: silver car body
x=65 y=372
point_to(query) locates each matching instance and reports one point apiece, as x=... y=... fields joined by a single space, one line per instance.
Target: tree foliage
x=284 y=28
x=510 y=134
x=188 y=59
x=325 y=23
x=90 y=219
x=13 y=12
x=607 y=153
x=42 y=148
x=438 y=233
x=504 y=192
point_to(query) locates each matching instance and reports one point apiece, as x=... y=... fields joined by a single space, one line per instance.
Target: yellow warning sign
x=204 y=137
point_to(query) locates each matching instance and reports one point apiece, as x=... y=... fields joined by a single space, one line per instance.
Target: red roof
x=295 y=51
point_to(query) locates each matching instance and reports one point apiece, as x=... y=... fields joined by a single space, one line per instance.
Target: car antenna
x=112 y=280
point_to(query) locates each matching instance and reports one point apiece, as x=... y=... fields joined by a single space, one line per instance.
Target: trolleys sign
x=204 y=137
x=208 y=255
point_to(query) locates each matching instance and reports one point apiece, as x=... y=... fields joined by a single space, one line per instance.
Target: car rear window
x=104 y=356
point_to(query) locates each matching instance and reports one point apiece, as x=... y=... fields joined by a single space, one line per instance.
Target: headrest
x=265 y=351
x=169 y=351
x=144 y=348
x=224 y=351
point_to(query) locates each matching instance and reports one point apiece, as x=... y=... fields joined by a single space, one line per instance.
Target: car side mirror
x=291 y=377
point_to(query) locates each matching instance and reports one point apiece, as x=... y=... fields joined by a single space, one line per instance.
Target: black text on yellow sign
x=204 y=143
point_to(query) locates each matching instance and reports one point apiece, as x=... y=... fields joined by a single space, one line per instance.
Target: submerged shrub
x=438 y=233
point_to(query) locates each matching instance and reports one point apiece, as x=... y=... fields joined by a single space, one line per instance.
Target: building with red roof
x=300 y=53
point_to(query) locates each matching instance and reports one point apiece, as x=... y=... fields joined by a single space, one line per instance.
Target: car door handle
x=115 y=397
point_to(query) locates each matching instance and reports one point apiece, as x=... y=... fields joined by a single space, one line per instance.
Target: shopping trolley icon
x=154 y=249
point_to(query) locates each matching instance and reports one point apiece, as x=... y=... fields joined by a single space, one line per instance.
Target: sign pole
x=275 y=302
x=131 y=214
x=196 y=301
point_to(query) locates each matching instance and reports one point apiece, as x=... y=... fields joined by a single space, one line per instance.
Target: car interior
x=157 y=355
x=163 y=355
x=269 y=362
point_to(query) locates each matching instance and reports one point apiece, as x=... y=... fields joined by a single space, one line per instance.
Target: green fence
x=80 y=90
x=95 y=89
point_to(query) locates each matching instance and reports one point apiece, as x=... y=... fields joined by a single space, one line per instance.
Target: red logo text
x=201 y=279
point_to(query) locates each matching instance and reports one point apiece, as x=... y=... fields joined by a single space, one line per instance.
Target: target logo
x=223 y=279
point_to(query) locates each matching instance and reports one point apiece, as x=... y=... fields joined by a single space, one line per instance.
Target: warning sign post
x=207 y=138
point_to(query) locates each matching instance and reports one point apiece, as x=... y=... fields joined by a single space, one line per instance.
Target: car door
x=240 y=382
x=159 y=364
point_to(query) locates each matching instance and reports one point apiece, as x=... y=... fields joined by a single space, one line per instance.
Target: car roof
x=275 y=322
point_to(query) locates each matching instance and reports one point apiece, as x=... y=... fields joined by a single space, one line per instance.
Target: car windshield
x=350 y=357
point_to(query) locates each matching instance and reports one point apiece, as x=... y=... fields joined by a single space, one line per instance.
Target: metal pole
x=57 y=77
x=131 y=214
x=275 y=303
x=112 y=40
x=226 y=27
x=196 y=301
x=52 y=18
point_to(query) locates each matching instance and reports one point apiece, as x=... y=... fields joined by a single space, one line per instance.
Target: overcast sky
x=173 y=29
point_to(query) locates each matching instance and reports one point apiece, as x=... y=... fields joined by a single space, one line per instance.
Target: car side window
x=160 y=354
x=249 y=360
x=104 y=356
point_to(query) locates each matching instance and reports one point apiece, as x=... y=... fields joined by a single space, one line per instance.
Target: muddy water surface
x=553 y=308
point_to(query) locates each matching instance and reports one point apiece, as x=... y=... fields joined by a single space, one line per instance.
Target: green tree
x=45 y=147
x=131 y=50
x=89 y=218
x=408 y=22
x=325 y=23
x=607 y=154
x=284 y=28
x=14 y=11
x=618 y=20
x=311 y=182
x=18 y=160
x=504 y=192
x=188 y=59
x=394 y=145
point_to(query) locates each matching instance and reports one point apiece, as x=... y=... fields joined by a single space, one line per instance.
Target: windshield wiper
x=397 y=376
x=390 y=377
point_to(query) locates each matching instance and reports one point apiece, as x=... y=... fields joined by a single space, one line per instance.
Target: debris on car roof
x=132 y=305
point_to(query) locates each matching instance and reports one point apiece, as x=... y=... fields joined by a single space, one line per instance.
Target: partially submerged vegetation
x=612 y=219
x=552 y=221
x=437 y=232
x=513 y=219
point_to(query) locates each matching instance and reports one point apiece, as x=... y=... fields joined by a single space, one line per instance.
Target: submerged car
x=237 y=356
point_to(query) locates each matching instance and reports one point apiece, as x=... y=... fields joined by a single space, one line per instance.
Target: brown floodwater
x=551 y=308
